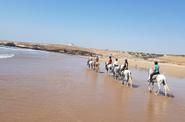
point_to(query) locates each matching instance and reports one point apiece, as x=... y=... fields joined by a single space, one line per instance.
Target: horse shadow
x=101 y=72
x=168 y=95
x=135 y=86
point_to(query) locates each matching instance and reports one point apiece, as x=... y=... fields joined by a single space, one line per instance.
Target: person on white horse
x=108 y=65
x=116 y=67
x=96 y=64
x=90 y=62
x=125 y=66
x=110 y=60
x=155 y=71
x=126 y=74
x=115 y=64
x=160 y=79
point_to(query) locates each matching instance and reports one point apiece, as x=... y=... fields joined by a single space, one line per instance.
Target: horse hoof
x=156 y=94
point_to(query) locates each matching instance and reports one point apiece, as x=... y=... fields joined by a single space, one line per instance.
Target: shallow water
x=54 y=87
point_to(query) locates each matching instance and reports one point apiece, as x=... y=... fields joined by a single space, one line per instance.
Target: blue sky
x=156 y=26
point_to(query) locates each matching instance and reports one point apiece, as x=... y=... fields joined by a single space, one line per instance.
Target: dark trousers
x=151 y=76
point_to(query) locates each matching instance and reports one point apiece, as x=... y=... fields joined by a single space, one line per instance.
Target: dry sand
x=171 y=65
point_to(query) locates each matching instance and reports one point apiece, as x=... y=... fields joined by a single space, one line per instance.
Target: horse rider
x=97 y=59
x=96 y=63
x=115 y=64
x=155 y=70
x=125 y=67
x=90 y=59
x=110 y=60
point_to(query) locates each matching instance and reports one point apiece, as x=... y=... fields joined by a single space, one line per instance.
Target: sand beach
x=42 y=86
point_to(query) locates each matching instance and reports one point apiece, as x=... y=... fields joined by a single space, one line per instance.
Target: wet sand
x=56 y=87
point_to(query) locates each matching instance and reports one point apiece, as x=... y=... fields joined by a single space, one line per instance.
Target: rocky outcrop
x=145 y=56
x=74 y=50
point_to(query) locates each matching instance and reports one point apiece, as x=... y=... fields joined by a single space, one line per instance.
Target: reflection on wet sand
x=156 y=107
x=92 y=75
x=63 y=89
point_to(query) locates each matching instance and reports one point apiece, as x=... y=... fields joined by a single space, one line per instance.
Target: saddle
x=154 y=77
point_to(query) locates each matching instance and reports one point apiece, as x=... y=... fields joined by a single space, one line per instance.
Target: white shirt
x=115 y=63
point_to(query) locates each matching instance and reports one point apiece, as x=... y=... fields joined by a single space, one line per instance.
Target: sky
x=154 y=26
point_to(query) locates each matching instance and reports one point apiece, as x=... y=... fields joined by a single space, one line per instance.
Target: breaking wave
x=6 y=56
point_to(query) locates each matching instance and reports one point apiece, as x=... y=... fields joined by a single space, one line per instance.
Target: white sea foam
x=6 y=56
x=17 y=49
x=22 y=49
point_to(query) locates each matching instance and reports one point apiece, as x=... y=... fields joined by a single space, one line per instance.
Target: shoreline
x=59 y=48
x=169 y=64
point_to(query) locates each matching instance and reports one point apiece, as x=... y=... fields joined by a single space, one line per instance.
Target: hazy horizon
x=146 y=26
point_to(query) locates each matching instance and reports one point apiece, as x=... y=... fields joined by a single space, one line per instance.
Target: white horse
x=109 y=67
x=96 y=66
x=117 y=71
x=126 y=76
x=159 y=79
x=90 y=63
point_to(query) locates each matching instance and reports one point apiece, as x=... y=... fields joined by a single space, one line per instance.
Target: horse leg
x=106 y=68
x=97 y=68
x=123 y=78
x=117 y=75
x=165 y=90
x=91 y=66
x=130 y=81
x=123 y=82
x=127 y=83
x=152 y=86
x=149 y=86
x=159 y=88
x=127 y=80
